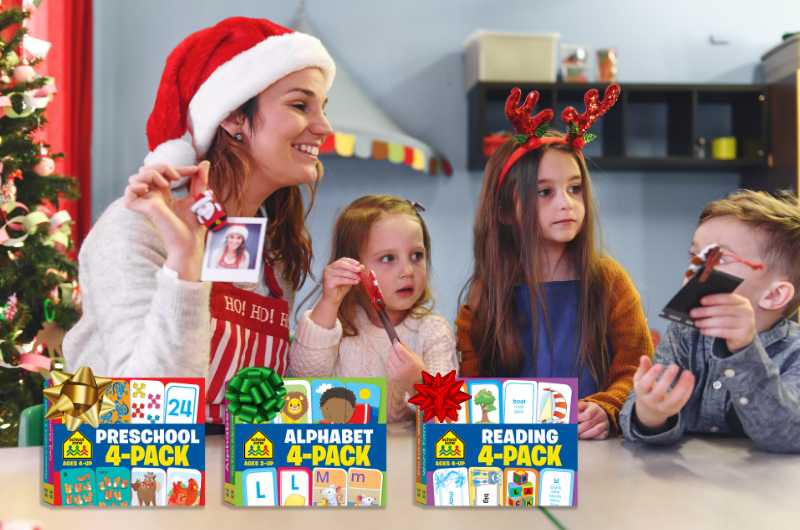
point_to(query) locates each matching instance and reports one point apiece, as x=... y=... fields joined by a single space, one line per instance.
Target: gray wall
x=408 y=57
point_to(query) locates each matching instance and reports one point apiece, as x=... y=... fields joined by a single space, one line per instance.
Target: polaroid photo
x=234 y=254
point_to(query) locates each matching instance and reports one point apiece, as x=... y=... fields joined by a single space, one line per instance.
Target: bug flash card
x=304 y=442
x=124 y=442
x=509 y=442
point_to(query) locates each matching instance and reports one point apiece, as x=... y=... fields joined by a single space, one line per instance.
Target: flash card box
x=148 y=451
x=326 y=447
x=515 y=444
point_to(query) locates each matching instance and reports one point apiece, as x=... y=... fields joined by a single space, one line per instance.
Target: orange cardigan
x=630 y=339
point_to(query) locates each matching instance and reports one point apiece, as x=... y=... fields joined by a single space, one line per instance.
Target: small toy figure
x=209 y=212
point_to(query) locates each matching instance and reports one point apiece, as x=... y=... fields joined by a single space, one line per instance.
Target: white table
x=703 y=482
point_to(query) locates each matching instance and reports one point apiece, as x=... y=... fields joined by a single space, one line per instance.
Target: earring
x=238 y=137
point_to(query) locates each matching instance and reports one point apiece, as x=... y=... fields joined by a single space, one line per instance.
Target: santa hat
x=236 y=229
x=216 y=70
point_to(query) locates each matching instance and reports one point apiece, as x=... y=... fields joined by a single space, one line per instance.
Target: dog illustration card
x=294 y=486
x=519 y=402
x=450 y=487
x=368 y=402
x=112 y=486
x=330 y=487
x=485 y=404
x=260 y=487
x=147 y=401
x=149 y=486
x=78 y=487
x=364 y=487
x=181 y=403
x=485 y=486
x=118 y=394
x=297 y=403
x=183 y=486
x=554 y=402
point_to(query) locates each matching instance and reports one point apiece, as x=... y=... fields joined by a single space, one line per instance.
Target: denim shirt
x=754 y=392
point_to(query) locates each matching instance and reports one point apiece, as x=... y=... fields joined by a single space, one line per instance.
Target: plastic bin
x=510 y=57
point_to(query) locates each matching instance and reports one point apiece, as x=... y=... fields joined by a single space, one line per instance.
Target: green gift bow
x=255 y=394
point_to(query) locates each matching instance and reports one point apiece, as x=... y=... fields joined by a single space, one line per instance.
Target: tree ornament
x=439 y=396
x=44 y=167
x=24 y=74
x=10 y=309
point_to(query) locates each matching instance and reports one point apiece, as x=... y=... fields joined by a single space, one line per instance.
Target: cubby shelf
x=651 y=127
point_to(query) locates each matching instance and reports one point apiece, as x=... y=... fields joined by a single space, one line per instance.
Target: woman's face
x=288 y=131
x=235 y=241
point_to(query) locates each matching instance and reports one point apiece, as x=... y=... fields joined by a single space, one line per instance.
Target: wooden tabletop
x=703 y=482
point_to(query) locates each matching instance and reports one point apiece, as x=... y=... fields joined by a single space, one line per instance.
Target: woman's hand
x=337 y=279
x=148 y=192
x=592 y=421
x=404 y=367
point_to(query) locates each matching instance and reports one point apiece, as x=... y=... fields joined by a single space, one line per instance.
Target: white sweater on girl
x=320 y=352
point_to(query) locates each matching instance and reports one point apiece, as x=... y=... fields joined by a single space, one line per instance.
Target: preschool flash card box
x=148 y=448
x=515 y=443
x=325 y=447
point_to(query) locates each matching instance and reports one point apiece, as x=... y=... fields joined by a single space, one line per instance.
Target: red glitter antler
x=520 y=118
x=594 y=109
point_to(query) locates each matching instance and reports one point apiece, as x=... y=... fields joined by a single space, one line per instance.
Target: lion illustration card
x=297 y=404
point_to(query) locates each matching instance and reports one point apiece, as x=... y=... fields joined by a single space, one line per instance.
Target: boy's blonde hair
x=776 y=217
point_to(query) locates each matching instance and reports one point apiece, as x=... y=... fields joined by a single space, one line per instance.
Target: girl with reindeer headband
x=544 y=299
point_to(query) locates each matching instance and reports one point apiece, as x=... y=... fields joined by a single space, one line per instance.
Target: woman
x=251 y=94
x=232 y=255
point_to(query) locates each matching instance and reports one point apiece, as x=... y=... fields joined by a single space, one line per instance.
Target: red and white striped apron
x=247 y=329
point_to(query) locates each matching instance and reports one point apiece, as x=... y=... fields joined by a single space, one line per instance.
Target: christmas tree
x=38 y=288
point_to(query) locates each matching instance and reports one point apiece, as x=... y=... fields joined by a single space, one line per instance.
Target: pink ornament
x=44 y=167
x=24 y=74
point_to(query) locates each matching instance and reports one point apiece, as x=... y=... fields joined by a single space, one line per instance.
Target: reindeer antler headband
x=530 y=130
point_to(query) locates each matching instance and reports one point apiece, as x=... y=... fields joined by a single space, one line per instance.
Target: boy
x=742 y=366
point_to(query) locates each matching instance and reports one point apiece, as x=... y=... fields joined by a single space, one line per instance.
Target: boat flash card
x=519 y=401
x=554 y=400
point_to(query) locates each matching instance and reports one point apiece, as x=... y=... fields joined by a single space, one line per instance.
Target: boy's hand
x=726 y=316
x=592 y=421
x=337 y=279
x=654 y=406
x=404 y=367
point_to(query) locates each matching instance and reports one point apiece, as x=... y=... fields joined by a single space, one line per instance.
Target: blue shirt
x=562 y=299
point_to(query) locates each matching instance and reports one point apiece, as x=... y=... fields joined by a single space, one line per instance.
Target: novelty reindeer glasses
x=530 y=130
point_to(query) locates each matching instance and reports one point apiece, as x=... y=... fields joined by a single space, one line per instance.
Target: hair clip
x=530 y=130
x=417 y=206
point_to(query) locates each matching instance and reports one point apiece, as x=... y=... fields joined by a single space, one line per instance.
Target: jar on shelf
x=700 y=148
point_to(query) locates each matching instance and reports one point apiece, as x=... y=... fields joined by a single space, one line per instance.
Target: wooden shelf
x=651 y=127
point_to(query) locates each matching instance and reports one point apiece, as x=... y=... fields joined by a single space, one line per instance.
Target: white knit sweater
x=137 y=321
x=320 y=352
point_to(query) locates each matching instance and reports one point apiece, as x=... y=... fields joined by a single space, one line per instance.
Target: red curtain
x=67 y=25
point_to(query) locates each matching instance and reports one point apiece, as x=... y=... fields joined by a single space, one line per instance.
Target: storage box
x=326 y=447
x=510 y=57
x=515 y=444
x=149 y=450
x=782 y=61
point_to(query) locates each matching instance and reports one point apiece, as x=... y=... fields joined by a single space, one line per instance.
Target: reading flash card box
x=148 y=451
x=515 y=444
x=326 y=447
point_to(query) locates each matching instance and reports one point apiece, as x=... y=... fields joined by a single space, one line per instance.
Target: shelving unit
x=651 y=127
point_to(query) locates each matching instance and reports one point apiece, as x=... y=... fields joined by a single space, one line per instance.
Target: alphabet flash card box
x=304 y=442
x=505 y=442
x=124 y=441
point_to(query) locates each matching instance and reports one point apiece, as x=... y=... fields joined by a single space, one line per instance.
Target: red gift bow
x=439 y=396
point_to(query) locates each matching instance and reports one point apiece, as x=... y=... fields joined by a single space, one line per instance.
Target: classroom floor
x=704 y=482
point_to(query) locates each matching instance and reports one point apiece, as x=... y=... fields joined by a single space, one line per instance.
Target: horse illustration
x=146 y=492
